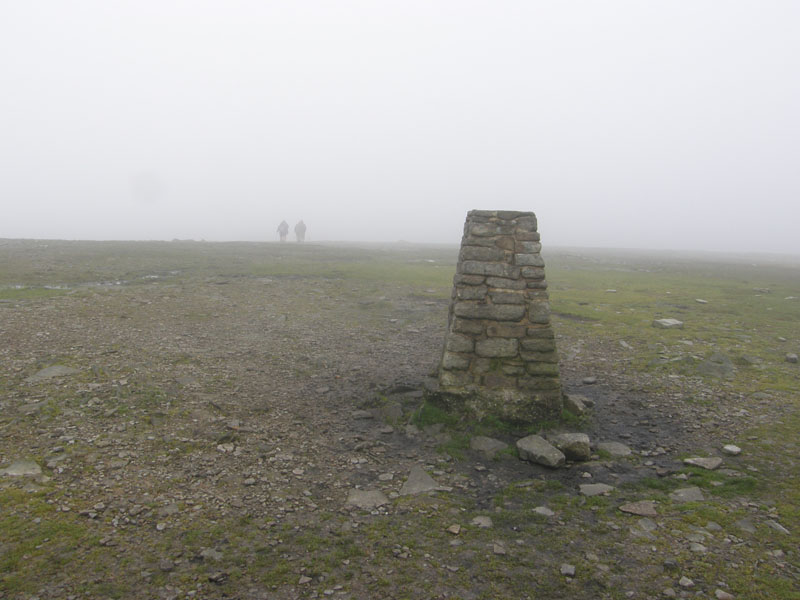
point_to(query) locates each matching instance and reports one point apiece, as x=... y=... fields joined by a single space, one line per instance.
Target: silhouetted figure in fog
x=283 y=230
x=300 y=231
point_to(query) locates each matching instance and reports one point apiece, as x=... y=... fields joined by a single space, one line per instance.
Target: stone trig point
x=500 y=356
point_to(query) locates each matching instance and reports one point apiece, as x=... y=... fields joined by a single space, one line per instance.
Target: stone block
x=575 y=446
x=507 y=297
x=468 y=279
x=526 y=224
x=540 y=333
x=505 y=330
x=504 y=283
x=500 y=312
x=468 y=326
x=481 y=214
x=451 y=361
x=536 y=449
x=472 y=292
x=528 y=260
x=460 y=343
x=481 y=253
x=542 y=369
x=506 y=243
x=668 y=324
x=537 y=295
x=496 y=347
x=541 y=382
x=513 y=370
x=481 y=365
x=538 y=344
x=543 y=357
x=482 y=229
x=528 y=236
x=454 y=379
x=474 y=267
x=534 y=273
x=542 y=285
x=495 y=380
x=528 y=247
x=509 y=215
x=539 y=312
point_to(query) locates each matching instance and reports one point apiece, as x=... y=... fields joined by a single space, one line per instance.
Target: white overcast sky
x=641 y=123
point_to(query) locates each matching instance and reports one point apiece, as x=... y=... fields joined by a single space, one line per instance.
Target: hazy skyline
x=637 y=124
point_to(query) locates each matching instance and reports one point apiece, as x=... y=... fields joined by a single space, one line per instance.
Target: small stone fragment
x=731 y=450
x=709 y=463
x=668 y=324
x=482 y=521
x=688 y=494
x=454 y=529
x=575 y=404
x=685 y=582
x=595 y=489
x=218 y=577
x=544 y=511
x=722 y=595
x=366 y=499
x=498 y=549
x=568 y=570
x=489 y=446
x=418 y=482
x=615 y=449
x=791 y=357
x=591 y=380
x=643 y=508
x=304 y=579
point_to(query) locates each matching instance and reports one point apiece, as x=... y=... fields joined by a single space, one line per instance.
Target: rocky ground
x=213 y=436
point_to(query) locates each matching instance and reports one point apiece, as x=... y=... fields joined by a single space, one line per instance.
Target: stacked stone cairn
x=499 y=356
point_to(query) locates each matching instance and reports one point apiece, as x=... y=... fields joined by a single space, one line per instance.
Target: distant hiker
x=283 y=230
x=300 y=231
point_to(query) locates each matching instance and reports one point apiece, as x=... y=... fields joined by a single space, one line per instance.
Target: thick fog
x=652 y=124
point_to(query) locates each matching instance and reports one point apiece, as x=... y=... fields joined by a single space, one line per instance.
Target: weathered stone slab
x=505 y=312
x=709 y=463
x=528 y=260
x=615 y=449
x=496 y=347
x=536 y=449
x=507 y=297
x=575 y=446
x=22 y=468
x=366 y=499
x=488 y=446
x=643 y=508
x=418 y=482
x=595 y=489
x=668 y=324
x=460 y=343
x=50 y=372
x=506 y=284
x=688 y=494
x=505 y=330
x=474 y=267
x=473 y=292
x=481 y=253
x=451 y=361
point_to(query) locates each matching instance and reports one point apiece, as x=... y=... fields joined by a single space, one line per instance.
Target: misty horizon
x=621 y=125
